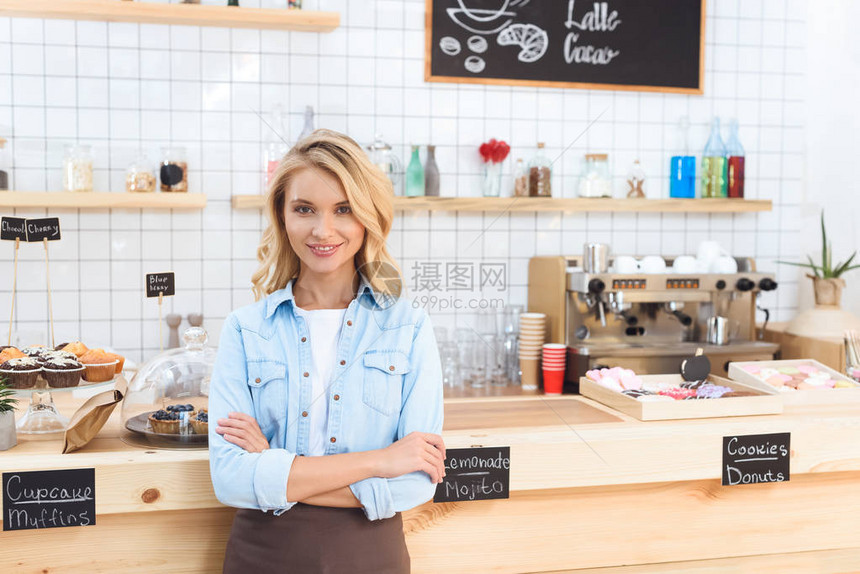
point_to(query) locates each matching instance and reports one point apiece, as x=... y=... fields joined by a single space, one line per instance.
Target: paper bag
x=90 y=418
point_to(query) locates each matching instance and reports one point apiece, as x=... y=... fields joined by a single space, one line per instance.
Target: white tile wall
x=122 y=86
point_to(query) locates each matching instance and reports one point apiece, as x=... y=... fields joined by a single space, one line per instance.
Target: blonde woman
x=327 y=391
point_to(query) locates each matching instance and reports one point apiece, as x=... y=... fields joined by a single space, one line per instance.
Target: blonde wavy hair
x=370 y=195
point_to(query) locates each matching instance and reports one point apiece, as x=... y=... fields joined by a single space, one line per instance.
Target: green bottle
x=414 y=175
x=715 y=173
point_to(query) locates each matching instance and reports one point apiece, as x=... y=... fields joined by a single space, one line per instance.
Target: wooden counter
x=589 y=489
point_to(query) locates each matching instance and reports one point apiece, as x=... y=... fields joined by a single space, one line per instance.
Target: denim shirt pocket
x=383 y=380
x=267 y=383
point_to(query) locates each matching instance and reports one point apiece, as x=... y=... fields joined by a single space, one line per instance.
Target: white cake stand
x=42 y=416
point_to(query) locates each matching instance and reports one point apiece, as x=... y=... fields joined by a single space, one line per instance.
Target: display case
x=167 y=401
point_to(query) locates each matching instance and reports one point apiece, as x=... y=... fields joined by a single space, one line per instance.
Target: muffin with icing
x=62 y=372
x=21 y=372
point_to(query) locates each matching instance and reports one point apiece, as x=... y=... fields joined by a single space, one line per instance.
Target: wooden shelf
x=177 y=14
x=524 y=204
x=100 y=200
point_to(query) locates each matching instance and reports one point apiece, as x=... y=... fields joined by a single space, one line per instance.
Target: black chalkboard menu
x=643 y=45
x=750 y=459
x=49 y=499
x=479 y=473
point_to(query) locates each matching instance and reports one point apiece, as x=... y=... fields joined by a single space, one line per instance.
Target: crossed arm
x=325 y=480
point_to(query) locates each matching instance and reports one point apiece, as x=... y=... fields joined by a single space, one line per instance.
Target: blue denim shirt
x=390 y=384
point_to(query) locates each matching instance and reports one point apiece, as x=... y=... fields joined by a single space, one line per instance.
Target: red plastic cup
x=553 y=381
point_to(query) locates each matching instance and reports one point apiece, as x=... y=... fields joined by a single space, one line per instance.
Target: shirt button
x=349 y=323
x=306 y=374
x=257 y=380
x=391 y=368
x=332 y=439
x=304 y=413
x=337 y=397
x=304 y=339
x=343 y=362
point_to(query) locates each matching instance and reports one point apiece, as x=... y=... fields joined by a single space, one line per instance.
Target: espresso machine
x=648 y=322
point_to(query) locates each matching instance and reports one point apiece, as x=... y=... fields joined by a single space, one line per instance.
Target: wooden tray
x=761 y=404
x=811 y=397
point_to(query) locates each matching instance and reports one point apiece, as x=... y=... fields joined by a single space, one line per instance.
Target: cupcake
x=34 y=350
x=10 y=353
x=99 y=366
x=48 y=355
x=120 y=361
x=20 y=373
x=200 y=422
x=77 y=348
x=62 y=372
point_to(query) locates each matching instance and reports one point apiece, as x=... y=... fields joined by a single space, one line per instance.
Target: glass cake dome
x=167 y=401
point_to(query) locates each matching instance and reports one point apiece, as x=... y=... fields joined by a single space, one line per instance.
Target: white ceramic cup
x=685 y=264
x=724 y=264
x=652 y=264
x=625 y=264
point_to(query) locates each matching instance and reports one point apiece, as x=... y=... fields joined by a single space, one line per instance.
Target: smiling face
x=321 y=227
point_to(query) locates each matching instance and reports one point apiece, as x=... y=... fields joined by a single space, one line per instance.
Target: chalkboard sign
x=756 y=458
x=475 y=474
x=49 y=499
x=160 y=284
x=612 y=45
x=12 y=228
x=39 y=229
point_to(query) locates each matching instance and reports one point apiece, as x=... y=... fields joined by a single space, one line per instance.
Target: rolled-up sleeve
x=422 y=411
x=240 y=478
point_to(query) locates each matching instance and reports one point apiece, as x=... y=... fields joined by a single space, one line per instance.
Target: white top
x=324 y=327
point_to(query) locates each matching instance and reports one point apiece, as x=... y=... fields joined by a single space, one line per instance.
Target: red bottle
x=735 y=153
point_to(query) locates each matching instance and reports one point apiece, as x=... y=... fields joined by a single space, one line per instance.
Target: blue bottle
x=682 y=167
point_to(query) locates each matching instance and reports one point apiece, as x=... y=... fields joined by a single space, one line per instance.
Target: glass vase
x=491 y=185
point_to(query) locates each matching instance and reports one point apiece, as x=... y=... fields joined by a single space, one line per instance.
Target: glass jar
x=595 y=180
x=521 y=180
x=383 y=157
x=78 y=168
x=139 y=176
x=174 y=169
x=5 y=165
x=540 y=174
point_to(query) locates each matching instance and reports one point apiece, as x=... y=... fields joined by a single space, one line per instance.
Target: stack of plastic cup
x=532 y=336
x=554 y=356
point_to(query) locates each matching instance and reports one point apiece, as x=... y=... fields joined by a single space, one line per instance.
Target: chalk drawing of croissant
x=532 y=39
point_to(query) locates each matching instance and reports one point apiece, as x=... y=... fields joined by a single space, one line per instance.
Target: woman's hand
x=243 y=430
x=416 y=451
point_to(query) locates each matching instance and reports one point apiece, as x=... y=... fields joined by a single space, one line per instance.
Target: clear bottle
x=414 y=175
x=636 y=180
x=540 y=174
x=276 y=146
x=736 y=157
x=521 y=179
x=78 y=168
x=174 y=169
x=682 y=166
x=383 y=157
x=139 y=177
x=5 y=166
x=714 y=165
x=309 y=123
x=431 y=173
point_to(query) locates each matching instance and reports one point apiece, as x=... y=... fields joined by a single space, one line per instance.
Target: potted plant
x=8 y=433
x=827 y=278
x=827 y=319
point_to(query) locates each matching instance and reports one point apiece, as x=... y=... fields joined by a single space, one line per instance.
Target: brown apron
x=315 y=539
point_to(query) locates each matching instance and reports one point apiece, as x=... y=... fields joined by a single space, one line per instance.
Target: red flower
x=494 y=151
